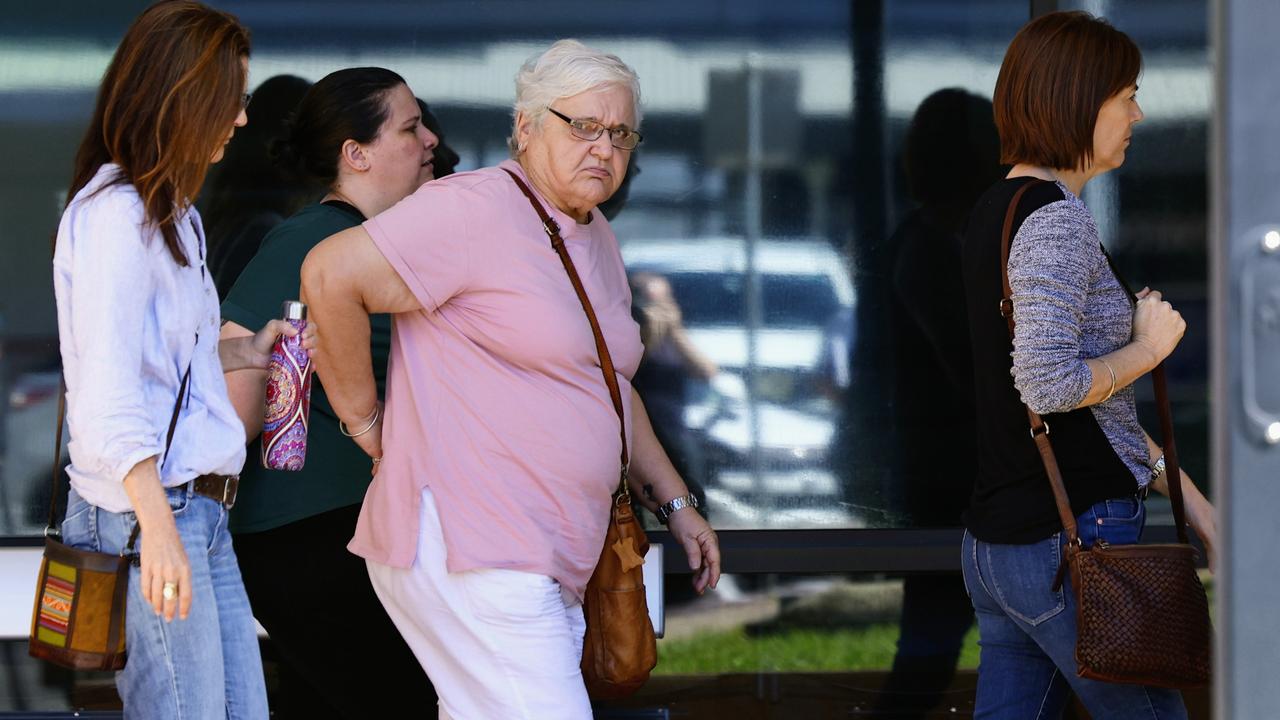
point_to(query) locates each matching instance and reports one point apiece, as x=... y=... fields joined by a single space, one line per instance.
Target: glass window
x=794 y=159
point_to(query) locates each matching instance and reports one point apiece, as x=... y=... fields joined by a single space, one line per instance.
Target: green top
x=336 y=473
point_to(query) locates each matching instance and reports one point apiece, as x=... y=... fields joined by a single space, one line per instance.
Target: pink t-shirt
x=494 y=394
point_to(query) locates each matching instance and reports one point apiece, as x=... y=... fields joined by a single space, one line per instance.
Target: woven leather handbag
x=79 y=617
x=620 y=649
x=1141 y=613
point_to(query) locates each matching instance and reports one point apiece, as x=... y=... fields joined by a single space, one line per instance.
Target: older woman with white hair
x=488 y=510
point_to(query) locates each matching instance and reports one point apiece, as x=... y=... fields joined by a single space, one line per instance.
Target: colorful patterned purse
x=78 y=620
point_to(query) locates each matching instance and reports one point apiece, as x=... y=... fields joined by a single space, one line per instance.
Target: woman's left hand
x=700 y=543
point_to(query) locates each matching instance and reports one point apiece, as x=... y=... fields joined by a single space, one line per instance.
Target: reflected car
x=803 y=284
x=765 y=427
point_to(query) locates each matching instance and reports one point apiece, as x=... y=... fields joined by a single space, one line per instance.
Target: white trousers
x=497 y=644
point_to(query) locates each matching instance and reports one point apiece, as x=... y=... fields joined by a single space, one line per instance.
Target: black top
x=1012 y=500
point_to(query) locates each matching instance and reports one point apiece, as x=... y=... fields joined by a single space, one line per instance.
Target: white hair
x=567 y=68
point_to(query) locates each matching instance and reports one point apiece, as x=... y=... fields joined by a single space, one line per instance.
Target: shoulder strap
x=57 y=450
x=1040 y=429
x=552 y=229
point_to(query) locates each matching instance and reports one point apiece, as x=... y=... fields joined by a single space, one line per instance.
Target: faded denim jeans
x=1027 y=631
x=207 y=666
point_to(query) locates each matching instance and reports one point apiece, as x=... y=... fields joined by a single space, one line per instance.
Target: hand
x=1208 y=534
x=1156 y=325
x=254 y=351
x=265 y=339
x=164 y=562
x=701 y=545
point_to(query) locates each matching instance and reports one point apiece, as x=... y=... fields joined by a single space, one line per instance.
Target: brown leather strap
x=1040 y=429
x=552 y=228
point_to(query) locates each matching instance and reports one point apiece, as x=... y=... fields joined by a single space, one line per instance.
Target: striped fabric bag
x=78 y=621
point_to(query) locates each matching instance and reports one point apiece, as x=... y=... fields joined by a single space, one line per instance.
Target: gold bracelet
x=1112 y=372
x=342 y=427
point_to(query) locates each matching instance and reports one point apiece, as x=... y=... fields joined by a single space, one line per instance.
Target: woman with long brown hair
x=155 y=442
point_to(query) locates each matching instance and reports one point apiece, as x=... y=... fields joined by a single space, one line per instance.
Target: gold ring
x=170 y=591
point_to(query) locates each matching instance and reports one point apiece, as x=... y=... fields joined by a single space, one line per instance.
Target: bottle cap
x=293 y=310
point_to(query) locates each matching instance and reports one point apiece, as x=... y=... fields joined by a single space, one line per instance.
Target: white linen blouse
x=130 y=320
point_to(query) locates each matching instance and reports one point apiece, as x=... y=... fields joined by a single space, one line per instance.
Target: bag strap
x=552 y=228
x=1040 y=429
x=57 y=450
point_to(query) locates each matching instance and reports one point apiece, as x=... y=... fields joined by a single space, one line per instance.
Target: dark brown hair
x=167 y=100
x=1056 y=75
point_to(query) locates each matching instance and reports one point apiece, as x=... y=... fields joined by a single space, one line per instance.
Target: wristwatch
x=1157 y=469
x=666 y=509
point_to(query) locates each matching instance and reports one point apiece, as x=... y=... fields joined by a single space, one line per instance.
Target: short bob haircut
x=567 y=68
x=1058 y=72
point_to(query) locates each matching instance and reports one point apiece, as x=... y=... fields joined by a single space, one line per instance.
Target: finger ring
x=170 y=591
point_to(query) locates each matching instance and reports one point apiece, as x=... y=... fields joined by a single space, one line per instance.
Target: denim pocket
x=179 y=498
x=1021 y=578
x=79 y=526
x=1118 y=521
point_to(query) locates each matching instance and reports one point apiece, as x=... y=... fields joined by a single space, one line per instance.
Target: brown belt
x=219 y=487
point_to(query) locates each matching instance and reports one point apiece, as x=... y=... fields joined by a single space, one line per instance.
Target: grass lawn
x=800 y=650
x=866 y=647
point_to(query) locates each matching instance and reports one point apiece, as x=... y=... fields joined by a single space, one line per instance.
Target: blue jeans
x=1027 y=631
x=207 y=666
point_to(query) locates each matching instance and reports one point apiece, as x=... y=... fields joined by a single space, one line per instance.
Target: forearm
x=1200 y=512
x=247 y=390
x=653 y=479
x=342 y=357
x=146 y=495
x=1128 y=363
x=700 y=366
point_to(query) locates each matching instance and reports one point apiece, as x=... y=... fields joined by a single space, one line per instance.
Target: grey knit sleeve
x=1052 y=261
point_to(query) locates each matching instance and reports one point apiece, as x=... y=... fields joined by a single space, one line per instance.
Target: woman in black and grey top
x=1065 y=104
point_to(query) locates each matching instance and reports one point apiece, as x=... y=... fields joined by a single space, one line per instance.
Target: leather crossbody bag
x=619 y=650
x=1141 y=613
x=79 y=617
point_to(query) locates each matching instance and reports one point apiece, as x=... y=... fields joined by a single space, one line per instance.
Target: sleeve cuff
x=118 y=470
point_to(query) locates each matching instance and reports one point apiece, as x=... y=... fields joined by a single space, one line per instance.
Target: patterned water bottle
x=284 y=425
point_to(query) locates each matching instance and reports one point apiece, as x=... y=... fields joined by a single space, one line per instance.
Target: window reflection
x=773 y=206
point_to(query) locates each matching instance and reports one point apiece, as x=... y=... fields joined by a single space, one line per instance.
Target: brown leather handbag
x=79 y=617
x=1141 y=613
x=619 y=650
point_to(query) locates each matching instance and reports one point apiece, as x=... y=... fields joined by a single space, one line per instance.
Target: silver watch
x=668 y=508
x=1157 y=469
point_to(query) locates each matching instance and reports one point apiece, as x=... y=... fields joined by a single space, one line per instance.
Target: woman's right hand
x=1156 y=325
x=164 y=561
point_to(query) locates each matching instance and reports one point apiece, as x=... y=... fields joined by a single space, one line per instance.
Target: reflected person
x=488 y=511
x=951 y=155
x=1065 y=106
x=670 y=363
x=247 y=194
x=444 y=159
x=358 y=133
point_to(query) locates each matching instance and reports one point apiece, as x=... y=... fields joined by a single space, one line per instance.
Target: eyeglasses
x=590 y=130
x=244 y=100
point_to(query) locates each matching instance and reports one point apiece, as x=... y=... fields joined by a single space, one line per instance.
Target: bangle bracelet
x=1112 y=372
x=377 y=412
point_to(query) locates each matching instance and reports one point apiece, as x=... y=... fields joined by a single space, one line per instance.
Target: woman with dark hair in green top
x=359 y=133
